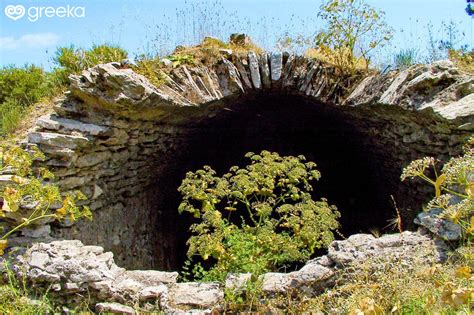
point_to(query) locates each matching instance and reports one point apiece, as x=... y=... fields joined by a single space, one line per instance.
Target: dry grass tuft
x=210 y=50
x=463 y=60
x=398 y=287
x=28 y=120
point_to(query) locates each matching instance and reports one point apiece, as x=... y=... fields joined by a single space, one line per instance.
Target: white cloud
x=36 y=40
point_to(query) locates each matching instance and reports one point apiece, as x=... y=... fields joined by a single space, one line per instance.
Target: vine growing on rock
x=28 y=196
x=255 y=219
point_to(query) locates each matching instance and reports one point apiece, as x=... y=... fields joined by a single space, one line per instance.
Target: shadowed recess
x=356 y=177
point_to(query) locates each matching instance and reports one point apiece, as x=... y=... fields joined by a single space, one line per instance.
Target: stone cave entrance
x=359 y=171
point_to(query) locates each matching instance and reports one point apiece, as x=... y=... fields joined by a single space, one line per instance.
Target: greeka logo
x=16 y=12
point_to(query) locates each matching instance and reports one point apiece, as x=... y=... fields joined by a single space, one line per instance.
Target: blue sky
x=149 y=26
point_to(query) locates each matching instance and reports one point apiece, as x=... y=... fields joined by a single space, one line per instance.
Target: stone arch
x=118 y=138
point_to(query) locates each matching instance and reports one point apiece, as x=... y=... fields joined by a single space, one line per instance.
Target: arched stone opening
x=360 y=170
x=127 y=144
x=359 y=151
x=355 y=176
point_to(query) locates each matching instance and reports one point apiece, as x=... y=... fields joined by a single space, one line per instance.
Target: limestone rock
x=153 y=293
x=237 y=281
x=229 y=80
x=121 y=90
x=439 y=86
x=390 y=95
x=264 y=70
x=461 y=108
x=114 y=308
x=443 y=228
x=254 y=70
x=274 y=282
x=52 y=122
x=191 y=295
x=360 y=247
x=36 y=231
x=152 y=277
x=93 y=158
x=58 y=140
x=276 y=65
x=312 y=276
x=69 y=183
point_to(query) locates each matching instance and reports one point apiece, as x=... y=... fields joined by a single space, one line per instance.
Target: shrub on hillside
x=26 y=85
x=74 y=60
x=258 y=218
x=11 y=113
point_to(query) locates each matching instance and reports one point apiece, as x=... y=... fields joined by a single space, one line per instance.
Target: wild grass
x=405 y=58
x=17 y=297
x=395 y=287
x=211 y=49
x=339 y=59
x=388 y=286
x=11 y=114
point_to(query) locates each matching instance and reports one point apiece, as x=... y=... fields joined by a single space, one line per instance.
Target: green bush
x=11 y=113
x=74 y=60
x=151 y=68
x=25 y=85
x=258 y=218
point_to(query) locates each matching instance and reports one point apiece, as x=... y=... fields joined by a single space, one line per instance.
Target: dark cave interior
x=356 y=176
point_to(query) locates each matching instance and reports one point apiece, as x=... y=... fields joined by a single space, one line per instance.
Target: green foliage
x=454 y=187
x=32 y=186
x=181 y=59
x=246 y=298
x=354 y=29
x=405 y=58
x=22 y=87
x=258 y=218
x=25 y=85
x=11 y=113
x=74 y=60
x=151 y=68
x=16 y=296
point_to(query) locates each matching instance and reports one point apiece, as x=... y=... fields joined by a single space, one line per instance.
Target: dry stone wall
x=114 y=134
x=116 y=137
x=71 y=270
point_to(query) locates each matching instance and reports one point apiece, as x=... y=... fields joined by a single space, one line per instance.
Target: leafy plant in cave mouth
x=255 y=219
